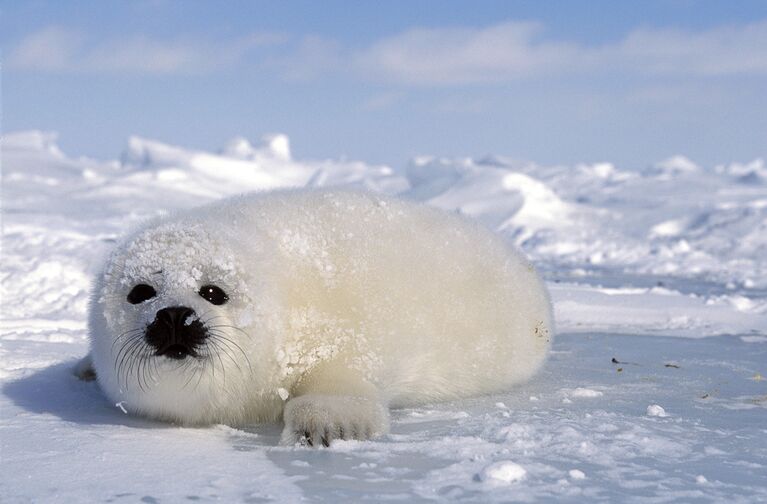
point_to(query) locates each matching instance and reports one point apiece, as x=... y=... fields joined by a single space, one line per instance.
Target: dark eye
x=141 y=293
x=213 y=294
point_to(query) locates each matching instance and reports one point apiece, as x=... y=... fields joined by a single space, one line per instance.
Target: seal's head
x=173 y=324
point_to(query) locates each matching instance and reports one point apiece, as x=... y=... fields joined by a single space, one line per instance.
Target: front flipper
x=333 y=402
x=318 y=419
x=84 y=369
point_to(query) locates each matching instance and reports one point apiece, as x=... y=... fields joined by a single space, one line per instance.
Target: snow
x=503 y=472
x=585 y=392
x=576 y=474
x=658 y=278
x=656 y=410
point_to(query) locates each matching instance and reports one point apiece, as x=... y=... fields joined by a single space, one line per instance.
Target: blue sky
x=552 y=82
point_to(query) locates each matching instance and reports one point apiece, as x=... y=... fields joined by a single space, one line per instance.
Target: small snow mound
x=541 y=204
x=279 y=146
x=504 y=472
x=754 y=172
x=700 y=479
x=502 y=199
x=656 y=411
x=238 y=147
x=32 y=140
x=667 y=228
x=274 y=147
x=576 y=474
x=145 y=153
x=439 y=174
x=600 y=170
x=675 y=165
x=586 y=392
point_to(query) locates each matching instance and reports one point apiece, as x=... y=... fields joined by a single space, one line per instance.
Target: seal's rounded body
x=325 y=307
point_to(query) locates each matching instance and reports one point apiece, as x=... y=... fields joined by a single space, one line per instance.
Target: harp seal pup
x=320 y=308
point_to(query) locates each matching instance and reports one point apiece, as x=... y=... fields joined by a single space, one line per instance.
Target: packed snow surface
x=654 y=391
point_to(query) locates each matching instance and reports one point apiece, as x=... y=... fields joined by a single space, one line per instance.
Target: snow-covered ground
x=655 y=390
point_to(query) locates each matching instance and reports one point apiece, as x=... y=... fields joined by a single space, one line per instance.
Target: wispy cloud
x=57 y=49
x=465 y=56
x=499 y=53
x=52 y=48
x=310 y=57
x=523 y=50
x=729 y=50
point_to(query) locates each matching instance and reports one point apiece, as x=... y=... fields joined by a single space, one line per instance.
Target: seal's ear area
x=84 y=369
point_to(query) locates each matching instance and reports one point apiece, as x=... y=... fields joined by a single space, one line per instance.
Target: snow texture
x=659 y=280
x=656 y=410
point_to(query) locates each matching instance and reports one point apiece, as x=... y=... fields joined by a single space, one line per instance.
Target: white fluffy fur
x=342 y=304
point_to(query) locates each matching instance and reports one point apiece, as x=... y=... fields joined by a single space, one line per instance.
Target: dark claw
x=308 y=438
x=325 y=442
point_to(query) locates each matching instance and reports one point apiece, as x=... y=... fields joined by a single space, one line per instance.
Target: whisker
x=202 y=371
x=218 y=354
x=135 y=362
x=139 y=370
x=227 y=350
x=219 y=326
x=127 y=351
x=145 y=369
x=213 y=364
x=134 y=358
x=226 y=341
x=140 y=361
x=191 y=375
x=154 y=372
x=123 y=335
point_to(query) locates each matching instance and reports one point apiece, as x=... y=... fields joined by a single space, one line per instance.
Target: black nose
x=176 y=333
x=174 y=316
